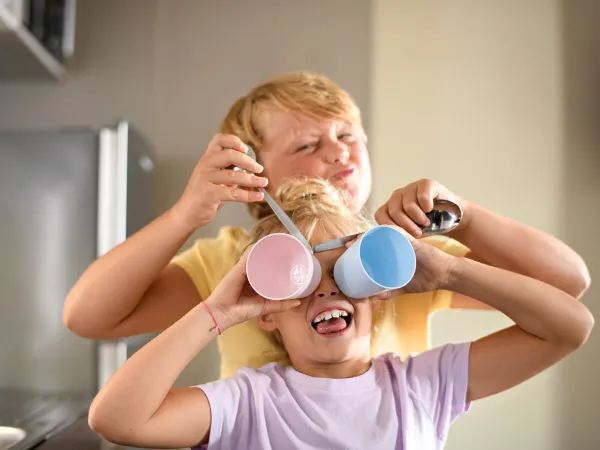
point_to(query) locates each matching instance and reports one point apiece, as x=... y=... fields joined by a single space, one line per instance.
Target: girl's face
x=327 y=329
x=296 y=145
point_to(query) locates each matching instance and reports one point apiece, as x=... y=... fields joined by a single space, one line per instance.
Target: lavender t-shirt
x=394 y=405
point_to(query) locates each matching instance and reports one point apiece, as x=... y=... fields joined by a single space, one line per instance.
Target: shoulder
x=247 y=380
x=422 y=368
x=228 y=239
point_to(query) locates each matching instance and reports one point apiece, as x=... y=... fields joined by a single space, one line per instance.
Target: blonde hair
x=307 y=93
x=310 y=203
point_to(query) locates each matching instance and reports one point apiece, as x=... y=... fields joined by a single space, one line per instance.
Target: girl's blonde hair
x=307 y=93
x=310 y=203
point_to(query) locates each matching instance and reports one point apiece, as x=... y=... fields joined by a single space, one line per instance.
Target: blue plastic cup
x=381 y=260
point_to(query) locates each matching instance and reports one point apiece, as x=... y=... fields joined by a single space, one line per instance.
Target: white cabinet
x=22 y=54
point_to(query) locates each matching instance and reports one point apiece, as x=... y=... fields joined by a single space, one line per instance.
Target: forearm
x=536 y=307
x=114 y=284
x=508 y=244
x=135 y=393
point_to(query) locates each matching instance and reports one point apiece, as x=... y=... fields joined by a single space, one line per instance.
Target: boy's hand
x=213 y=182
x=234 y=301
x=407 y=206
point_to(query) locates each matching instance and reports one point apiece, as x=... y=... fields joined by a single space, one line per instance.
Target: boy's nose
x=337 y=152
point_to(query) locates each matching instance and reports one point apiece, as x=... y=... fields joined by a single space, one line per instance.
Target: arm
x=550 y=324
x=521 y=249
x=131 y=290
x=139 y=407
x=492 y=239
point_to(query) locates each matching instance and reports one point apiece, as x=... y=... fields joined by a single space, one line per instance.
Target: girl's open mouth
x=332 y=323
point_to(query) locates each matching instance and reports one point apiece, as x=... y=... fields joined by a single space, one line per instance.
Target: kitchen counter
x=39 y=415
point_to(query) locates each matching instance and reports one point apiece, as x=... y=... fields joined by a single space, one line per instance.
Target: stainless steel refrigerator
x=66 y=197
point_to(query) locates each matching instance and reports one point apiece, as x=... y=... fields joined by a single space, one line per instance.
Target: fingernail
x=264 y=181
x=245 y=147
x=259 y=168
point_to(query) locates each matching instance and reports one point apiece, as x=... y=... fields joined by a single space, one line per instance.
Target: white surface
x=21 y=54
x=112 y=221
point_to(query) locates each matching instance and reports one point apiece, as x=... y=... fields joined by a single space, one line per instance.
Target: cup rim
x=303 y=286
x=414 y=257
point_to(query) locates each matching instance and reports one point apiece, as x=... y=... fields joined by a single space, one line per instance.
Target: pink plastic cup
x=280 y=267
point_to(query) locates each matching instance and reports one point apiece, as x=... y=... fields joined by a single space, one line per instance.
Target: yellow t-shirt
x=400 y=325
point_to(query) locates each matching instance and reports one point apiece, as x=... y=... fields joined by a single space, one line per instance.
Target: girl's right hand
x=213 y=181
x=234 y=301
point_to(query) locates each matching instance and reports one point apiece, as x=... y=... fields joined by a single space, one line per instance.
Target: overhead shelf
x=22 y=56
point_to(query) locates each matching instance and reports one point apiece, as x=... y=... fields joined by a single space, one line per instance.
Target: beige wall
x=473 y=94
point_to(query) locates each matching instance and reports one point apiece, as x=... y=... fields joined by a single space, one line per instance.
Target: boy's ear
x=266 y=322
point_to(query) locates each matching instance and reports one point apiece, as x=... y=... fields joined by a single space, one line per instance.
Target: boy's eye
x=307 y=146
x=346 y=137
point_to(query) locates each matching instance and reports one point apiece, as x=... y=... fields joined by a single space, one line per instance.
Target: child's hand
x=433 y=269
x=234 y=301
x=213 y=182
x=407 y=206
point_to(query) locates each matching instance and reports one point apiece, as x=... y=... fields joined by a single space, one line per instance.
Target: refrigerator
x=67 y=196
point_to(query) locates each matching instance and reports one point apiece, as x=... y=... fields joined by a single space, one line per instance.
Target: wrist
x=222 y=316
x=455 y=274
x=179 y=221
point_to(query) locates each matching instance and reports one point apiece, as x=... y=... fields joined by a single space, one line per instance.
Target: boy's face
x=295 y=145
x=313 y=336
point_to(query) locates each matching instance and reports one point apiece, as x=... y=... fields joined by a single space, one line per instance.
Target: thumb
x=277 y=306
x=236 y=278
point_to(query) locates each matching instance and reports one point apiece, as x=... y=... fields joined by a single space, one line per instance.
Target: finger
x=222 y=141
x=426 y=192
x=235 y=194
x=349 y=243
x=399 y=217
x=227 y=158
x=415 y=213
x=244 y=256
x=382 y=217
x=235 y=178
x=277 y=306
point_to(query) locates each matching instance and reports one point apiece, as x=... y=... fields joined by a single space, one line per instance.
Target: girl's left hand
x=407 y=206
x=433 y=269
x=235 y=301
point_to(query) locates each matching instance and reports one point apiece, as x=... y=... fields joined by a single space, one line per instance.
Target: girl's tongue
x=332 y=325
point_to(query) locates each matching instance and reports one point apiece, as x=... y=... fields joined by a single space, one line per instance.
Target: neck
x=343 y=369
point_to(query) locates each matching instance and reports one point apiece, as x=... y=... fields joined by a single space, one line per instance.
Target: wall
x=174 y=67
x=471 y=93
x=579 y=393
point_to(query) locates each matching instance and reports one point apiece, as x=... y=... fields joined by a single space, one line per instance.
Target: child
x=300 y=124
x=334 y=395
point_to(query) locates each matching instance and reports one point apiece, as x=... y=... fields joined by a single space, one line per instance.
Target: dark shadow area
x=579 y=411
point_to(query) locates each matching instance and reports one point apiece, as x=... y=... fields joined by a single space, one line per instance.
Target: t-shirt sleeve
x=209 y=260
x=443 y=299
x=230 y=402
x=438 y=378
